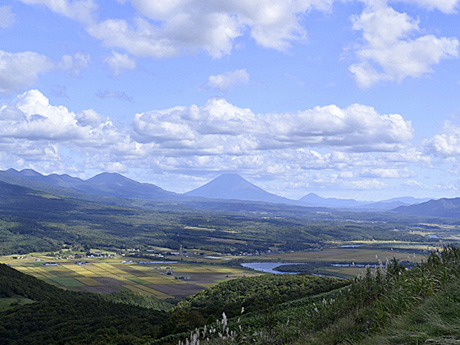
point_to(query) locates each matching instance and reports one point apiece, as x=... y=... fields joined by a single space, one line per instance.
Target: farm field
x=105 y=275
x=172 y=278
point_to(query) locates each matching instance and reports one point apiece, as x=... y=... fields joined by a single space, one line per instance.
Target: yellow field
x=199 y=229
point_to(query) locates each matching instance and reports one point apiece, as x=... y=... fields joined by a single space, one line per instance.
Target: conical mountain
x=233 y=186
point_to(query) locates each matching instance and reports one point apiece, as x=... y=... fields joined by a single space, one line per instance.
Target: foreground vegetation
x=361 y=311
x=419 y=304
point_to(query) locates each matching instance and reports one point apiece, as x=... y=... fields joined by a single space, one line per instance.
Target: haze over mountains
x=224 y=187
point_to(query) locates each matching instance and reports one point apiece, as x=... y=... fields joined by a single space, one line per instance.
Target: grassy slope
x=436 y=321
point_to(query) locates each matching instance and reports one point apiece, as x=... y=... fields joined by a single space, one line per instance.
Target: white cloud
x=26 y=150
x=446 y=144
x=387 y=173
x=222 y=125
x=365 y=184
x=180 y=27
x=181 y=36
x=389 y=52
x=416 y=184
x=7 y=18
x=19 y=71
x=75 y=64
x=81 y=10
x=32 y=118
x=120 y=62
x=225 y=80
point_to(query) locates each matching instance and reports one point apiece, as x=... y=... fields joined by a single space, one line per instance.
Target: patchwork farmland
x=104 y=275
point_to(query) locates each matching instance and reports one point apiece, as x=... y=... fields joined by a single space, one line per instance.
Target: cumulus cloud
x=217 y=124
x=446 y=144
x=389 y=53
x=120 y=62
x=19 y=71
x=174 y=28
x=225 y=80
x=7 y=17
x=31 y=117
x=14 y=150
x=215 y=137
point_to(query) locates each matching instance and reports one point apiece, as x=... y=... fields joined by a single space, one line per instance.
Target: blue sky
x=352 y=99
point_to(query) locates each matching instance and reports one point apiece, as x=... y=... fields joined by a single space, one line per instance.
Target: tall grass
x=347 y=315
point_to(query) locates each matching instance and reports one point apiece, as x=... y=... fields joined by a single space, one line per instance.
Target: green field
x=8 y=303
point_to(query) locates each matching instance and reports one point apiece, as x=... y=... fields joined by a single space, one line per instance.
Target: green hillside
x=57 y=316
x=391 y=305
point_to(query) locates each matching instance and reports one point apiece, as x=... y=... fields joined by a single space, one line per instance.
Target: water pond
x=267 y=267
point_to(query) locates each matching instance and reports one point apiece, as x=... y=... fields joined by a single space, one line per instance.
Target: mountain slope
x=105 y=185
x=233 y=186
x=116 y=185
x=436 y=208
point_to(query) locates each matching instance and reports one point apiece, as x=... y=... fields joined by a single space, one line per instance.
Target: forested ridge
x=258 y=293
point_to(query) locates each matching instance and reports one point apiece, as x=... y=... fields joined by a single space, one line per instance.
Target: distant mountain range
x=107 y=187
x=315 y=200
